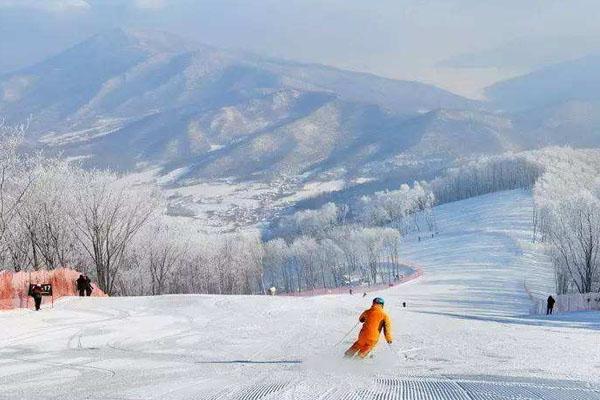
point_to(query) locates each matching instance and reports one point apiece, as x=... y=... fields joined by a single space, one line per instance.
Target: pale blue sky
x=405 y=39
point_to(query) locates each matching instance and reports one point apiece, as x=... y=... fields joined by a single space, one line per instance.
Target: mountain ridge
x=128 y=99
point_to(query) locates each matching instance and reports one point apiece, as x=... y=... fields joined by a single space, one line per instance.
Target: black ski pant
x=549 y=310
x=81 y=292
x=38 y=302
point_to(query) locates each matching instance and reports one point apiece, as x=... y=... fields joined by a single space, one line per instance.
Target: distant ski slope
x=483 y=257
x=464 y=324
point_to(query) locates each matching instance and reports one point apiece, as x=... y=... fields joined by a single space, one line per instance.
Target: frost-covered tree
x=251 y=257
x=304 y=251
x=349 y=240
x=391 y=249
x=276 y=265
x=43 y=216
x=163 y=255
x=406 y=209
x=488 y=174
x=331 y=263
x=315 y=223
x=106 y=216
x=567 y=217
x=571 y=225
x=15 y=174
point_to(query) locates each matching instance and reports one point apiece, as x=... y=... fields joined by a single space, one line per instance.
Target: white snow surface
x=466 y=318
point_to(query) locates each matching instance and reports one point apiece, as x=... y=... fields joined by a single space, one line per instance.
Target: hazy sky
x=457 y=44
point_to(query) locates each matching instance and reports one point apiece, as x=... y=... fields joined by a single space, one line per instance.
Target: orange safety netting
x=15 y=285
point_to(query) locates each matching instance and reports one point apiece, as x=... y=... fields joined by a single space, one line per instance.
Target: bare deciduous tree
x=106 y=217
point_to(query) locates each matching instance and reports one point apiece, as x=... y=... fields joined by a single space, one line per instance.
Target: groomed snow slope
x=464 y=335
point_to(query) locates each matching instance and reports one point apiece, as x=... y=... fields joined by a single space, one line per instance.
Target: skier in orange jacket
x=374 y=320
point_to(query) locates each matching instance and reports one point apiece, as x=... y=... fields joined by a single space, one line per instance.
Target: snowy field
x=227 y=205
x=465 y=334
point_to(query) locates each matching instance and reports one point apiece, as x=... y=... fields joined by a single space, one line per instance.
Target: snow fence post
x=28 y=286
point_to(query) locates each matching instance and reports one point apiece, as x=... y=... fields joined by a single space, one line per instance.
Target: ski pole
x=346 y=335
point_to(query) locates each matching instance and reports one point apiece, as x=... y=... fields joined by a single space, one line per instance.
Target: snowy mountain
x=131 y=99
x=555 y=105
x=273 y=132
x=139 y=99
x=460 y=132
x=126 y=72
x=577 y=80
x=573 y=123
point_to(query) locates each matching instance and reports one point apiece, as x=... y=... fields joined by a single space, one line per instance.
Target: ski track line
x=159 y=341
x=44 y=331
x=194 y=330
x=75 y=367
x=295 y=339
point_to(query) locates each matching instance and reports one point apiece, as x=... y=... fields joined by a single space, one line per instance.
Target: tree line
x=566 y=212
x=55 y=214
x=567 y=218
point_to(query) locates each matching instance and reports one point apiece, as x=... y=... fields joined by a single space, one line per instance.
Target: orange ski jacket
x=374 y=320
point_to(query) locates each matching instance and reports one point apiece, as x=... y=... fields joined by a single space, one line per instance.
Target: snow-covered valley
x=466 y=332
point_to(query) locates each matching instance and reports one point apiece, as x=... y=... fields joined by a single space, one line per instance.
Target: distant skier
x=36 y=293
x=550 y=305
x=82 y=284
x=374 y=320
x=272 y=291
x=351 y=291
x=88 y=286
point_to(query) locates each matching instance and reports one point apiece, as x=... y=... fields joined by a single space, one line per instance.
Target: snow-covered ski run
x=466 y=333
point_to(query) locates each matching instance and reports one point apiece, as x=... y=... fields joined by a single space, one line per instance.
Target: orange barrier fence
x=14 y=286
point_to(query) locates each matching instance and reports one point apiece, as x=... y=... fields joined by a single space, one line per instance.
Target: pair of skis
x=398 y=353
x=404 y=352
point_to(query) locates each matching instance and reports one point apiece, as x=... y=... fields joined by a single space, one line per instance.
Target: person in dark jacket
x=550 y=305
x=81 y=285
x=88 y=286
x=36 y=293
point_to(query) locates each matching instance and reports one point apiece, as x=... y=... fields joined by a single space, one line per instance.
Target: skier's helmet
x=378 y=300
